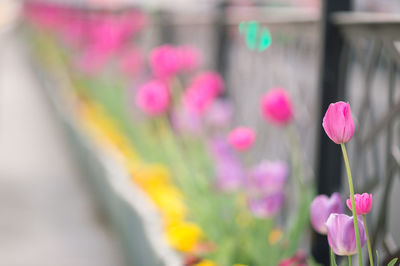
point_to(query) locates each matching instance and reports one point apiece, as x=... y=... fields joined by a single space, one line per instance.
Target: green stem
x=371 y=259
x=351 y=188
x=332 y=257
x=350 y=261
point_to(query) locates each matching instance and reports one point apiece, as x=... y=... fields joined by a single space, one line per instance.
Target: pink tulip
x=190 y=58
x=209 y=82
x=323 y=206
x=165 y=61
x=276 y=107
x=338 y=122
x=363 y=203
x=153 y=98
x=131 y=61
x=197 y=100
x=242 y=138
x=341 y=234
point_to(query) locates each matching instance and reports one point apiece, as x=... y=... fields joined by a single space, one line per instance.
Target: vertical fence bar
x=222 y=44
x=331 y=88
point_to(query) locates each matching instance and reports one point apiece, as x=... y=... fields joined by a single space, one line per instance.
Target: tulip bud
x=153 y=98
x=321 y=207
x=276 y=107
x=341 y=234
x=242 y=138
x=165 y=61
x=363 y=203
x=338 y=122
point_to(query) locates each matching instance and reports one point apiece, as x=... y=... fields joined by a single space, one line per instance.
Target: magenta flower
x=267 y=177
x=323 y=206
x=266 y=206
x=202 y=91
x=153 y=98
x=190 y=58
x=242 y=138
x=341 y=235
x=209 y=82
x=106 y=35
x=338 y=122
x=165 y=61
x=197 y=100
x=363 y=203
x=276 y=107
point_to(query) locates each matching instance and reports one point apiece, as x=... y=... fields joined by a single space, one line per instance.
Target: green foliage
x=392 y=262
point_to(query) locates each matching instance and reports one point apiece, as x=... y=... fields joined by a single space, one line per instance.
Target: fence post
x=331 y=87
x=222 y=44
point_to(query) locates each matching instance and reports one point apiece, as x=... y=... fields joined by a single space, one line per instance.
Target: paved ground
x=46 y=215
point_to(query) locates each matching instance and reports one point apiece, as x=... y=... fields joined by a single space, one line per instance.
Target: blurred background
x=49 y=215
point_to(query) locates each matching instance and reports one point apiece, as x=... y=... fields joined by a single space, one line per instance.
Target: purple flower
x=266 y=206
x=229 y=175
x=228 y=168
x=267 y=177
x=321 y=207
x=341 y=235
x=219 y=114
x=184 y=120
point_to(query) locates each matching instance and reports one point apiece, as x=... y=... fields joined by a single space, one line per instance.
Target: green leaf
x=392 y=262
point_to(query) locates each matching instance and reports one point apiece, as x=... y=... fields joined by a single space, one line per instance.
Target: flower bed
x=169 y=164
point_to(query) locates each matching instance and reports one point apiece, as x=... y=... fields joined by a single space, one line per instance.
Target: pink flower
x=197 y=100
x=338 y=122
x=203 y=89
x=299 y=259
x=91 y=61
x=342 y=236
x=165 y=61
x=321 y=207
x=107 y=35
x=131 y=61
x=190 y=58
x=363 y=203
x=276 y=107
x=209 y=82
x=242 y=138
x=153 y=98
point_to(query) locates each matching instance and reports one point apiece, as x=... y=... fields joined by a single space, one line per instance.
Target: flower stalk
x=371 y=259
x=350 y=261
x=351 y=188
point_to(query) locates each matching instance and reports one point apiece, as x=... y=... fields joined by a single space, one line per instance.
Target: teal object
x=256 y=37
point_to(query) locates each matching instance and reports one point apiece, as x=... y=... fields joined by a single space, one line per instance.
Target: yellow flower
x=169 y=201
x=149 y=176
x=184 y=236
x=206 y=263
x=275 y=236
